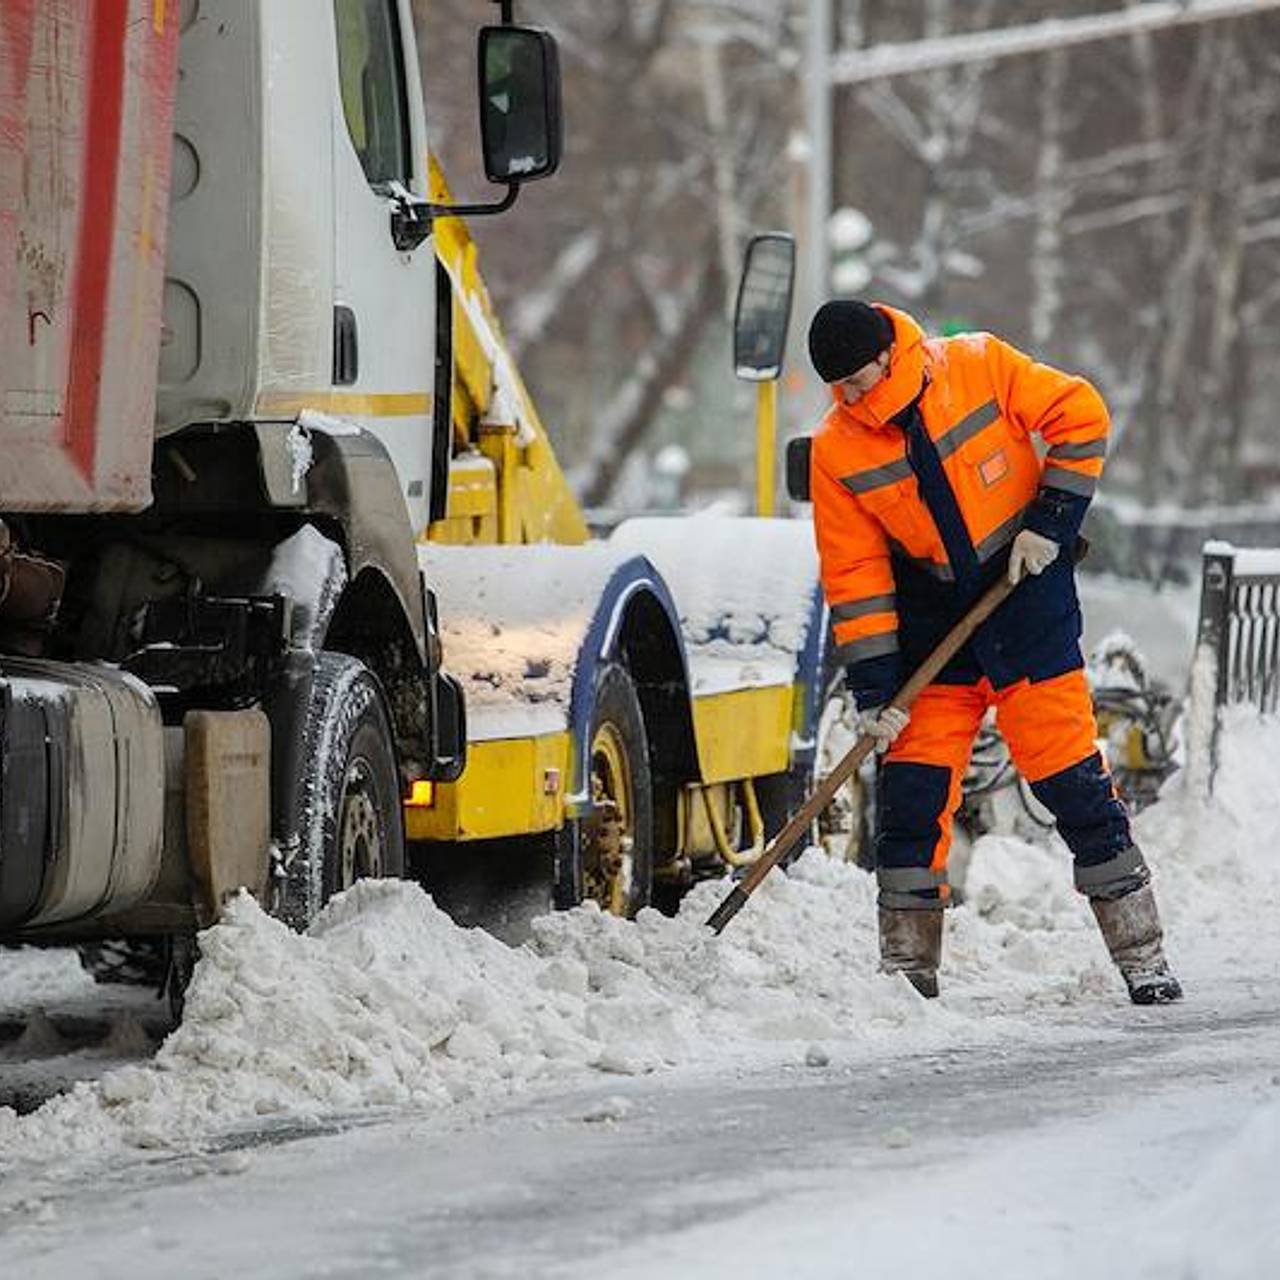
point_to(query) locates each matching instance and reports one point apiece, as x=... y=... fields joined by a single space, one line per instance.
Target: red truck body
x=86 y=107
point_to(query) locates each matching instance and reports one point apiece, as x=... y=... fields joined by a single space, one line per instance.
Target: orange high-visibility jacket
x=889 y=581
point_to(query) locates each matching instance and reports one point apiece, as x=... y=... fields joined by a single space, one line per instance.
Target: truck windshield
x=371 y=76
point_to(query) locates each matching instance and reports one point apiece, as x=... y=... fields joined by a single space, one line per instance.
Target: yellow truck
x=292 y=588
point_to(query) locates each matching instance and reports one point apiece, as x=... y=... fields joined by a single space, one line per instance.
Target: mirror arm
x=508 y=19
x=411 y=218
x=473 y=210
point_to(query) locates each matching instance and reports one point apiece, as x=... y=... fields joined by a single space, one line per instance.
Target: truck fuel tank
x=81 y=793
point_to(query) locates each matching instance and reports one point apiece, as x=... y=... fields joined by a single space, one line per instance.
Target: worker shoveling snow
x=386 y=1003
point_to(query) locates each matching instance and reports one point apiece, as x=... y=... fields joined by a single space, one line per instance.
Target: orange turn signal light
x=423 y=795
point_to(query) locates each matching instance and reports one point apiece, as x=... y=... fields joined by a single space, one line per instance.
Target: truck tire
x=137 y=962
x=607 y=857
x=165 y=964
x=351 y=824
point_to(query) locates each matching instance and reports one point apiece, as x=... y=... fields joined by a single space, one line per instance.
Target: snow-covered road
x=393 y=1095
x=1142 y=1149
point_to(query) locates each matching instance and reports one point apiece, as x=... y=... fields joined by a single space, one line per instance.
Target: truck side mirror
x=764 y=307
x=521 y=125
x=799 y=451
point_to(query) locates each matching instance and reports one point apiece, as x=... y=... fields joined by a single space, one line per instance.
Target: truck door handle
x=346 y=347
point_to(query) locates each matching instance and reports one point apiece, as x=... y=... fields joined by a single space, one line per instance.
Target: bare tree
x=1115 y=206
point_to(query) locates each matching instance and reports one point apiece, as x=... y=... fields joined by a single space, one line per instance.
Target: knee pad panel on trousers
x=1048 y=724
x=1091 y=817
x=912 y=799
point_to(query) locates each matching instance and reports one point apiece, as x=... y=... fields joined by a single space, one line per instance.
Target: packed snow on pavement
x=386 y=1009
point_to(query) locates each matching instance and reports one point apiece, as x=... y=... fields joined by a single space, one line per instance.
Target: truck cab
x=297 y=577
x=219 y=418
x=298 y=130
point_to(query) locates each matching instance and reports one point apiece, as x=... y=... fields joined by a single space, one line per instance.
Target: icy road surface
x=1146 y=1148
x=391 y=1095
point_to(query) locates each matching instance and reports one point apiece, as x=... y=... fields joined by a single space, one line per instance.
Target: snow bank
x=386 y=1003
x=30 y=976
x=1217 y=861
x=1160 y=619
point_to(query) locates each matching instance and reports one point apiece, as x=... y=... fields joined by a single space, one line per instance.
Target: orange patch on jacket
x=994 y=468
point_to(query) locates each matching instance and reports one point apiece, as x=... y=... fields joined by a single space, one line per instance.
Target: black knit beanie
x=845 y=335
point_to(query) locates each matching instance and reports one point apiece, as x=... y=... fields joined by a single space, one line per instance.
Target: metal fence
x=1237 y=639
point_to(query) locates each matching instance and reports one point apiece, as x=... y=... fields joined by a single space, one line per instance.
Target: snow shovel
x=799 y=825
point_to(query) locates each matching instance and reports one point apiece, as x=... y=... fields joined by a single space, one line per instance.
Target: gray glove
x=883 y=724
x=1032 y=554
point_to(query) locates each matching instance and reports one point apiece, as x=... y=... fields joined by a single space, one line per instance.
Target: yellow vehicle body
x=506 y=487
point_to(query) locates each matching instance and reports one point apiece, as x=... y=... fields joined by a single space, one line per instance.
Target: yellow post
x=766 y=444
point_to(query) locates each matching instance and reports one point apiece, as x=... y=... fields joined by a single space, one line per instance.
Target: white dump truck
x=268 y=475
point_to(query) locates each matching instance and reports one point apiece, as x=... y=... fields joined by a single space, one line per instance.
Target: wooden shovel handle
x=799 y=824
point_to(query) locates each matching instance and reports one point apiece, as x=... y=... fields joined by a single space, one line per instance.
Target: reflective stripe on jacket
x=892 y=585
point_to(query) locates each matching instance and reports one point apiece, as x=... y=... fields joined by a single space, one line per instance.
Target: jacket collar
x=902 y=384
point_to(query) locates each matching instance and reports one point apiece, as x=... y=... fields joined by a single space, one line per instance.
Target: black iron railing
x=1237 y=638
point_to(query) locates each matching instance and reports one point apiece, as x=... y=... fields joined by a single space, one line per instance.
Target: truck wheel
x=165 y=964
x=607 y=857
x=139 y=962
x=351 y=825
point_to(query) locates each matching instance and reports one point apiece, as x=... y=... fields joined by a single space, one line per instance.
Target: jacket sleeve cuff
x=1056 y=514
x=875 y=680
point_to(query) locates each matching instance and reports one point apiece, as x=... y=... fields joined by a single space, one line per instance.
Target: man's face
x=860 y=381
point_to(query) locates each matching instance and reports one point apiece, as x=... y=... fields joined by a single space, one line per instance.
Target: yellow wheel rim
x=608 y=835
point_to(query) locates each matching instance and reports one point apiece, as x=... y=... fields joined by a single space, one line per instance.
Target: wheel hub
x=360 y=838
x=608 y=836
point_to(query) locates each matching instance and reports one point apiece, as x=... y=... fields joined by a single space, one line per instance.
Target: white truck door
x=384 y=299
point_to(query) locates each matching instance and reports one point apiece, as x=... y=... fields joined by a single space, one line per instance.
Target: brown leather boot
x=911 y=944
x=1131 y=929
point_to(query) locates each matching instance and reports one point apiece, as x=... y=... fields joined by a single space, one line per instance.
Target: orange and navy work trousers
x=1050 y=730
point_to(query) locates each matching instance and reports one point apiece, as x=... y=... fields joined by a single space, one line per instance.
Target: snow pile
x=1217 y=861
x=797 y=964
x=1207 y=857
x=30 y=976
x=386 y=1003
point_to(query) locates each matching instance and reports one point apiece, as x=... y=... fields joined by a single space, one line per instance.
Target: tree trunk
x=1053 y=198
x=622 y=423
